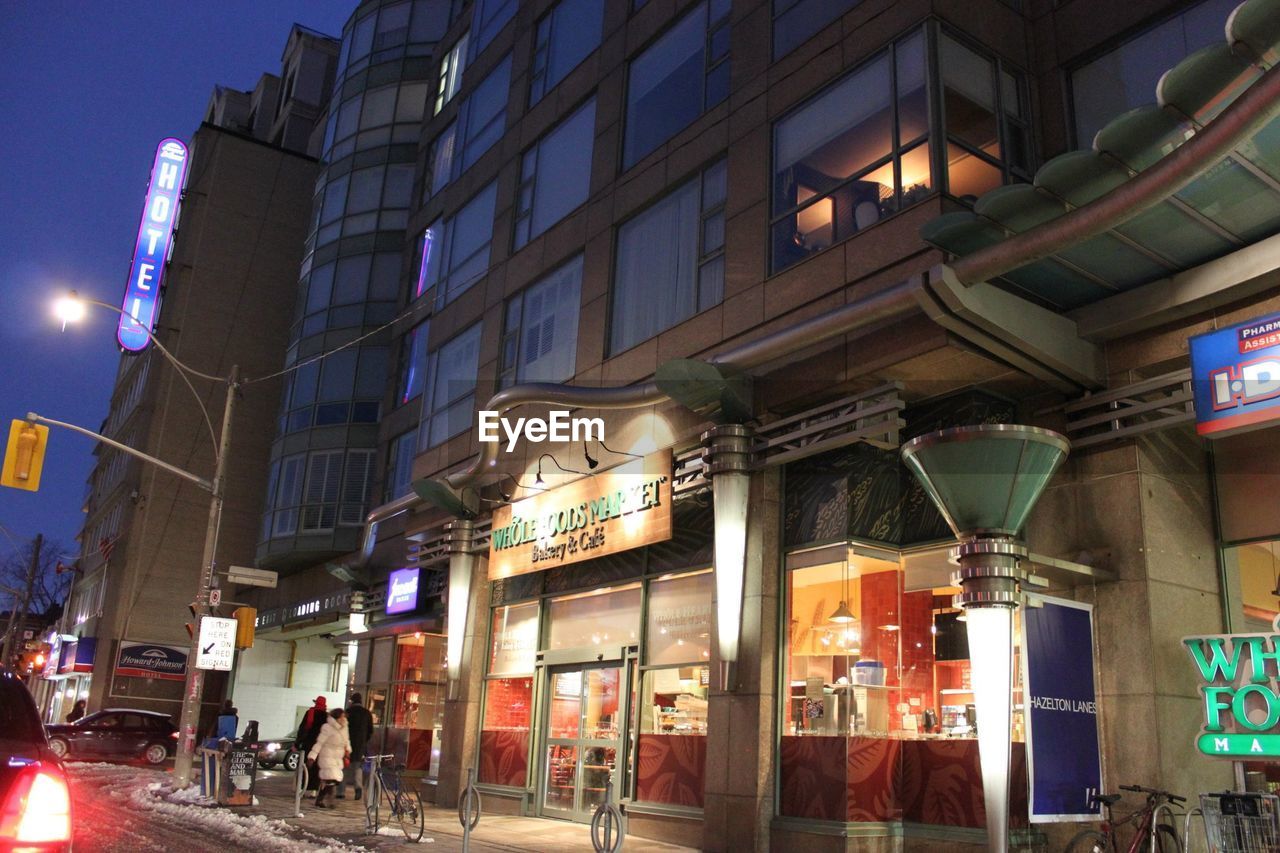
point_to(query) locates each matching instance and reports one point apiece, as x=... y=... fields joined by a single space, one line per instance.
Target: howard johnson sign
x=151 y=660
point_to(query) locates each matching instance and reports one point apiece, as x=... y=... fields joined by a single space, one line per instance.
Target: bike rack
x=301 y=781
x=604 y=838
x=1186 y=830
x=469 y=810
x=1167 y=808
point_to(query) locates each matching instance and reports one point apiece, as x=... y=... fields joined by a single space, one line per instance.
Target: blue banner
x=1064 y=762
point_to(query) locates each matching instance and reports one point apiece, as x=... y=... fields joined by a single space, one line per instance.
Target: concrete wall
x=262 y=688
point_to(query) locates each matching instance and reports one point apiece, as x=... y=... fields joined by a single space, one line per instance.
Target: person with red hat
x=308 y=731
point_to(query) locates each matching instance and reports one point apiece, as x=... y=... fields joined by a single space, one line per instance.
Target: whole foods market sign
x=625 y=507
x=1241 y=702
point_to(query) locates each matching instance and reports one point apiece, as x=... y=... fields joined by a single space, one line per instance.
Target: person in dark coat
x=308 y=731
x=77 y=711
x=359 y=730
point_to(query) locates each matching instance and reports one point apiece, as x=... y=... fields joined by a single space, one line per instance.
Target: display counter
x=926 y=779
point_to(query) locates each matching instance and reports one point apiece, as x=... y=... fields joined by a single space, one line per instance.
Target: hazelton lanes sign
x=616 y=510
x=1241 y=699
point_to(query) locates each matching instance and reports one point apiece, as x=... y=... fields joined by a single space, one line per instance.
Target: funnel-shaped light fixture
x=842 y=615
x=462 y=562
x=726 y=455
x=985 y=481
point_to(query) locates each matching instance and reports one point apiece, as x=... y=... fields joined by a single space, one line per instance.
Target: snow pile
x=152 y=791
x=399 y=833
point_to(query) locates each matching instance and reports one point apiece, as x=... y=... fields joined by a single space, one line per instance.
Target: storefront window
x=877 y=677
x=508 y=710
x=417 y=702
x=600 y=618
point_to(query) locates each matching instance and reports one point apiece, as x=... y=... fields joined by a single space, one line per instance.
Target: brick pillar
x=740 y=724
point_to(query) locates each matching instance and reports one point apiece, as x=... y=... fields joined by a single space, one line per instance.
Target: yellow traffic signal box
x=24 y=455
x=246 y=622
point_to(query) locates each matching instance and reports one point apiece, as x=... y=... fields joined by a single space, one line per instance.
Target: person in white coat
x=330 y=753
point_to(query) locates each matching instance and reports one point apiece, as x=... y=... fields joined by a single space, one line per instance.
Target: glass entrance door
x=584 y=739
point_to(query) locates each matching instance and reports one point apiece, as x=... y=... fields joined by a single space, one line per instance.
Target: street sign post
x=217 y=646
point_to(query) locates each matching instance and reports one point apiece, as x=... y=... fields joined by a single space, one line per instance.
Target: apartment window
x=413 y=363
x=356 y=481
x=490 y=17
x=449 y=77
x=540 y=333
x=1125 y=76
x=555 y=174
x=662 y=95
x=484 y=116
x=393 y=26
x=566 y=36
x=670 y=261
x=456 y=252
x=796 y=21
x=400 y=465
x=451 y=386
x=289 y=495
x=441 y=161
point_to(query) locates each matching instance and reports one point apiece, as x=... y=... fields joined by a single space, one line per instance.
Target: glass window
x=447 y=405
x=348 y=117
x=413 y=362
x=319 y=288
x=1125 y=77
x=566 y=36
x=362 y=38
x=335 y=198
x=400 y=464
x=355 y=486
x=379 y=107
x=577 y=621
x=324 y=474
x=450 y=74
x=490 y=17
x=338 y=375
x=660 y=100
x=351 y=281
x=504 y=735
x=670 y=261
x=441 y=160
x=417 y=702
x=513 y=647
x=540 y=339
x=796 y=21
x=371 y=377
x=484 y=115
x=399 y=186
x=678 y=630
x=384 y=280
x=412 y=102
x=555 y=174
x=289 y=496
x=673 y=726
x=365 y=190
x=393 y=26
x=457 y=251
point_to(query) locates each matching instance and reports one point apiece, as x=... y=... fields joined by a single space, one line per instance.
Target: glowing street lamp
x=985 y=480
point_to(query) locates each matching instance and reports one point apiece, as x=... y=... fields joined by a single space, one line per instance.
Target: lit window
x=451 y=385
x=540 y=338
x=566 y=36
x=661 y=101
x=670 y=261
x=555 y=174
x=413 y=363
x=450 y=74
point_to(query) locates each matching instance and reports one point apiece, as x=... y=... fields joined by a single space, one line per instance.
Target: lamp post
x=71 y=309
x=985 y=480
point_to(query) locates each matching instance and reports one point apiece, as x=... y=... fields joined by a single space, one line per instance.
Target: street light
x=71 y=308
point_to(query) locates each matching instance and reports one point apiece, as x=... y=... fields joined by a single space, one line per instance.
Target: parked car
x=280 y=751
x=116 y=733
x=35 y=800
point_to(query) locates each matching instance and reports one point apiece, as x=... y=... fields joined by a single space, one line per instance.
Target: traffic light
x=246 y=621
x=24 y=455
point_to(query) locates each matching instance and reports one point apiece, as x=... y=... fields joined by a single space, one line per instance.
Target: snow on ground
x=152 y=792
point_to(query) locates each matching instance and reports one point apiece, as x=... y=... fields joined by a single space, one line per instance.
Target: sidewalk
x=274 y=791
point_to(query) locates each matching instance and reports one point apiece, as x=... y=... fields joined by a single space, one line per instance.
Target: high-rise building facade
x=227 y=288
x=766 y=243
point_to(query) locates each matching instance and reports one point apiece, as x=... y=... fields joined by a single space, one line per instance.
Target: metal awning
x=1233 y=204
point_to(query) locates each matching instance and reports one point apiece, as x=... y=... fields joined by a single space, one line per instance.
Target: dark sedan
x=116 y=733
x=35 y=801
x=279 y=751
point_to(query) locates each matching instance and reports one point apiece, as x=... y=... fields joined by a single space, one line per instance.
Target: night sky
x=87 y=90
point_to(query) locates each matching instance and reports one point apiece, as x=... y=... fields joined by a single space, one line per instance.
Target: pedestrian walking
x=331 y=753
x=359 y=730
x=308 y=731
x=77 y=711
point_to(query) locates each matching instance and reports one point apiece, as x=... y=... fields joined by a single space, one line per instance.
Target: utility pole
x=26 y=599
x=191 y=697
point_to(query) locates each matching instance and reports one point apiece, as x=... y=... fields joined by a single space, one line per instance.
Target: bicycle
x=1163 y=837
x=387 y=787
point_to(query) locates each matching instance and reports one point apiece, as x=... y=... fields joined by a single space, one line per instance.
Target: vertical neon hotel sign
x=155 y=235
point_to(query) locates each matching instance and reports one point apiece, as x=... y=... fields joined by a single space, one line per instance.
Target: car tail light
x=173 y=735
x=38 y=808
